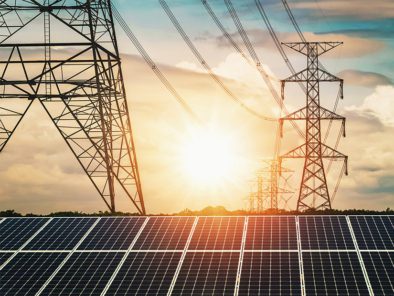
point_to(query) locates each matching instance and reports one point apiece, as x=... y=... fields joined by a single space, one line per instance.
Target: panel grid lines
x=182 y=257
x=24 y=245
x=14 y=232
x=61 y=234
x=67 y=257
x=113 y=234
x=115 y=273
x=165 y=233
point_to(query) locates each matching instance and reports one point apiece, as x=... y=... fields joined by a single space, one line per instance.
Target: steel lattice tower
x=73 y=69
x=313 y=190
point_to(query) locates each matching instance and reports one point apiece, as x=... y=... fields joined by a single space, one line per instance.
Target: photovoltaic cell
x=112 y=234
x=4 y=257
x=266 y=273
x=333 y=273
x=14 y=232
x=207 y=273
x=374 y=232
x=145 y=273
x=380 y=270
x=61 y=234
x=218 y=233
x=27 y=272
x=168 y=233
x=325 y=232
x=84 y=274
x=271 y=233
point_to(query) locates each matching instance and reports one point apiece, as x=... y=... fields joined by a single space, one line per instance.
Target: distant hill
x=208 y=211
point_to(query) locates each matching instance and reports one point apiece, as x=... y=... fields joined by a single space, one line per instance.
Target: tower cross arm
x=303 y=47
x=321 y=75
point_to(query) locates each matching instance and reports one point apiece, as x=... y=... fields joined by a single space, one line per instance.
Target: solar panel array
x=255 y=255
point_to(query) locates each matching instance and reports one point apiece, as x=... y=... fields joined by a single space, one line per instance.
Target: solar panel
x=112 y=234
x=380 y=270
x=333 y=273
x=27 y=272
x=61 y=234
x=270 y=273
x=218 y=233
x=84 y=274
x=207 y=273
x=374 y=232
x=145 y=273
x=325 y=232
x=14 y=232
x=197 y=255
x=271 y=233
x=165 y=233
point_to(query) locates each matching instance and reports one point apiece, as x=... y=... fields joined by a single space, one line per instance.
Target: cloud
x=379 y=104
x=360 y=9
x=352 y=47
x=362 y=78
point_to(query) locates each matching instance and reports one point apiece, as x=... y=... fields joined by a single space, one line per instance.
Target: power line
x=202 y=61
x=153 y=65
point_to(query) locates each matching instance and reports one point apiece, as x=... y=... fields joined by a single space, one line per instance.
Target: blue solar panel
x=270 y=273
x=207 y=273
x=84 y=274
x=112 y=234
x=374 y=232
x=145 y=273
x=271 y=233
x=325 y=232
x=169 y=233
x=218 y=233
x=14 y=232
x=333 y=273
x=27 y=272
x=61 y=234
x=380 y=270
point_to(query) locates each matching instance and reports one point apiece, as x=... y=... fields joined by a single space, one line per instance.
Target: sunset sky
x=39 y=174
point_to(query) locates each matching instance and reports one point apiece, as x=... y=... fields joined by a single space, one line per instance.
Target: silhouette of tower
x=313 y=190
x=73 y=69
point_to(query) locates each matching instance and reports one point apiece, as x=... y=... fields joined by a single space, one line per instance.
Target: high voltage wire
x=153 y=65
x=202 y=61
x=258 y=64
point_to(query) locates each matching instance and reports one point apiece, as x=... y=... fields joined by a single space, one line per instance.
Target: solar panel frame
x=271 y=233
x=223 y=234
x=202 y=273
x=325 y=233
x=155 y=271
x=61 y=234
x=15 y=232
x=84 y=273
x=112 y=233
x=380 y=270
x=373 y=232
x=333 y=273
x=153 y=236
x=28 y=271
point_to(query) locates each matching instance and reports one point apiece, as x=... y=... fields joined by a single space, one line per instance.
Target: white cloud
x=379 y=104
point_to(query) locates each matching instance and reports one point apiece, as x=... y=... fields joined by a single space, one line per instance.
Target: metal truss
x=313 y=190
x=78 y=82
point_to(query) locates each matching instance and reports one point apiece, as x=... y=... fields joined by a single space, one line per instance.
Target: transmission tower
x=269 y=187
x=313 y=189
x=74 y=70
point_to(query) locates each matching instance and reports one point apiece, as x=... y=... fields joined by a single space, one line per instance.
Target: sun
x=208 y=157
